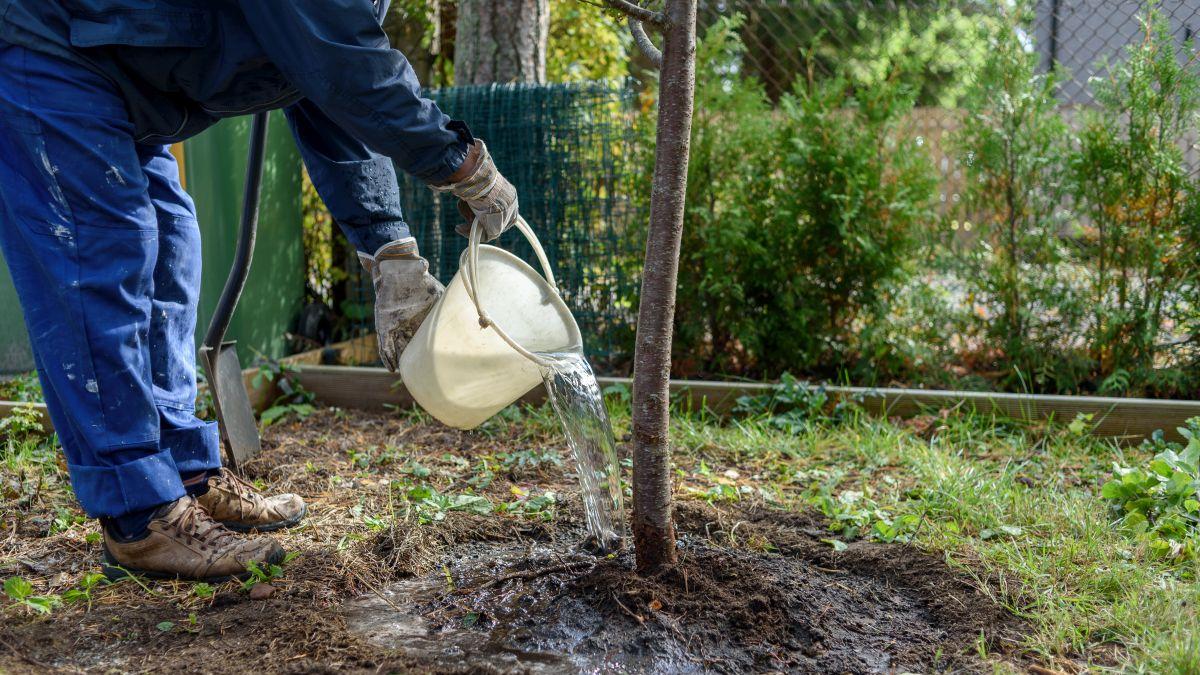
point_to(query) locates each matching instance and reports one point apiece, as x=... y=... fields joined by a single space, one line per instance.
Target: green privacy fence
x=570 y=151
x=274 y=293
x=215 y=165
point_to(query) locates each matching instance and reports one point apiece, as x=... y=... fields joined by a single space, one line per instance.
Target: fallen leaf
x=655 y=605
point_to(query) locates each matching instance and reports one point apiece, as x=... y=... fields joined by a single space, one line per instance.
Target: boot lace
x=245 y=493
x=195 y=526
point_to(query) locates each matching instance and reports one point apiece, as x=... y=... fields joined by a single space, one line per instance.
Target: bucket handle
x=472 y=273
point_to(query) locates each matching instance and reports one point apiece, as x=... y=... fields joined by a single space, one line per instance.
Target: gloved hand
x=485 y=195
x=405 y=291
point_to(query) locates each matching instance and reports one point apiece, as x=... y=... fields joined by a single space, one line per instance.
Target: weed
x=1160 y=500
x=794 y=405
x=22 y=421
x=83 y=593
x=21 y=593
x=294 y=401
x=432 y=506
x=263 y=574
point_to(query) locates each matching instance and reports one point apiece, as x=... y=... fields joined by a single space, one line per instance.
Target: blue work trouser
x=104 y=249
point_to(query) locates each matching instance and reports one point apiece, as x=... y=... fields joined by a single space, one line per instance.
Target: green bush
x=801 y=219
x=1015 y=144
x=1140 y=236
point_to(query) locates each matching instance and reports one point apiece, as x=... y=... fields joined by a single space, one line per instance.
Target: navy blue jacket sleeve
x=357 y=185
x=337 y=55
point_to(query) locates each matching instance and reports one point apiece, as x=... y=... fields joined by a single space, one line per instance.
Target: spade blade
x=235 y=416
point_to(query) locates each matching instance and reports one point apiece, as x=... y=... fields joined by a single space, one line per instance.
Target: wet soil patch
x=869 y=609
x=757 y=590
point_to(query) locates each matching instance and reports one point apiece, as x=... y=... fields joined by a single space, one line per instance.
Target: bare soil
x=756 y=589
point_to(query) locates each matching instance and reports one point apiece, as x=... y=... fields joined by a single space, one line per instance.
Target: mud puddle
x=511 y=608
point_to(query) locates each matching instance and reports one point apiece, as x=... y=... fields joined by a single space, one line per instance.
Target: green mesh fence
x=571 y=152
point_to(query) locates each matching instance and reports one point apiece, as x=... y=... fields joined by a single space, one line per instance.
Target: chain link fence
x=574 y=154
x=570 y=151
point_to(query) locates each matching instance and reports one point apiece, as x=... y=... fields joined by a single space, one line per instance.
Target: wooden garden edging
x=260 y=397
x=1129 y=419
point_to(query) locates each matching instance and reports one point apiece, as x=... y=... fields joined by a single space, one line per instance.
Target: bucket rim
x=528 y=270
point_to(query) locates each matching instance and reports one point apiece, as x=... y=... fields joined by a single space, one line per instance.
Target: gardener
x=103 y=244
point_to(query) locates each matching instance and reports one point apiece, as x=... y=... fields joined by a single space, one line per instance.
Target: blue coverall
x=102 y=241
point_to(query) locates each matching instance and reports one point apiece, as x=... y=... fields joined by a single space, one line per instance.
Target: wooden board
x=1130 y=419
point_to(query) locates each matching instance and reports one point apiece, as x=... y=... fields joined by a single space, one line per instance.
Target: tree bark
x=653 y=528
x=501 y=41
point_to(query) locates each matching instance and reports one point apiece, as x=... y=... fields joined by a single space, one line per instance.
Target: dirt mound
x=871 y=608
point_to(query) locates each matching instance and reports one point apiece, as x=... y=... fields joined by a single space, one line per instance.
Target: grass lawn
x=1018 y=509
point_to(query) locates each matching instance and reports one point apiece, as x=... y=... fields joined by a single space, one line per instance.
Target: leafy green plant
x=1161 y=499
x=432 y=506
x=264 y=574
x=541 y=506
x=83 y=592
x=21 y=593
x=1015 y=145
x=531 y=459
x=22 y=422
x=25 y=388
x=794 y=405
x=1141 y=234
x=294 y=400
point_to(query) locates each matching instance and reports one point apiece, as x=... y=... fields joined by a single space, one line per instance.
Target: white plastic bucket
x=476 y=352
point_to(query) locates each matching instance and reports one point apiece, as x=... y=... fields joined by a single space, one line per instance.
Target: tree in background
x=1014 y=144
x=934 y=44
x=501 y=41
x=586 y=43
x=1140 y=236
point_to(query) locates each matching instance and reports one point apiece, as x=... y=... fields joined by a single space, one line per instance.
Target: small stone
x=261 y=591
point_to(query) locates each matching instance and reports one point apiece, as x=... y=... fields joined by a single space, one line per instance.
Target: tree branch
x=635 y=11
x=643 y=42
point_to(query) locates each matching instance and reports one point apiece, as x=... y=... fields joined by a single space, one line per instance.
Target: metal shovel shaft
x=234 y=413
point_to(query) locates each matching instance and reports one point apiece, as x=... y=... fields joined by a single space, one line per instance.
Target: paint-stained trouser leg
x=80 y=231
x=194 y=444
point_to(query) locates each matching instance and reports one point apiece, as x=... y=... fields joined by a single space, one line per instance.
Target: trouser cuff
x=116 y=490
x=194 y=447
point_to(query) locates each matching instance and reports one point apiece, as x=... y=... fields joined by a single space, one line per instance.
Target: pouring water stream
x=572 y=389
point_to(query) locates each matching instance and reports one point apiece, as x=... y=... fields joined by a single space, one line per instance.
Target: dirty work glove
x=405 y=291
x=485 y=195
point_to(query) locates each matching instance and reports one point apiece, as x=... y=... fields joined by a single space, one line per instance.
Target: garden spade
x=235 y=417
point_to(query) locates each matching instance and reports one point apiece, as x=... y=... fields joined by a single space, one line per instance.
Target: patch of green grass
x=999 y=500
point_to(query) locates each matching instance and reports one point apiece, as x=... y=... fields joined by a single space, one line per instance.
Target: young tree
x=653 y=528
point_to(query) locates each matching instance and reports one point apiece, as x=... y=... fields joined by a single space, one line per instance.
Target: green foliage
x=22 y=422
x=431 y=506
x=1160 y=500
x=1141 y=236
x=25 y=388
x=83 y=592
x=1015 y=144
x=264 y=573
x=294 y=401
x=795 y=406
x=800 y=218
x=20 y=592
x=586 y=43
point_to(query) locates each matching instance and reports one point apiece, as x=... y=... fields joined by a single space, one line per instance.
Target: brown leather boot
x=185 y=543
x=235 y=504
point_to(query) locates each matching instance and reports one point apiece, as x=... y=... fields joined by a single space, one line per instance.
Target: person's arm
x=337 y=55
x=357 y=185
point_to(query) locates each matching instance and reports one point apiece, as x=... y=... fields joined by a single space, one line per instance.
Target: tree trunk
x=501 y=41
x=653 y=528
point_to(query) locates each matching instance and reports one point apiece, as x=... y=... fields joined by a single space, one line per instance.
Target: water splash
x=576 y=397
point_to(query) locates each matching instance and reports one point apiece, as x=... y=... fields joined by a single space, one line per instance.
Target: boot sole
x=115 y=571
x=242 y=528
